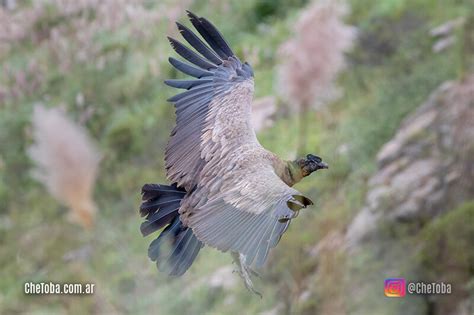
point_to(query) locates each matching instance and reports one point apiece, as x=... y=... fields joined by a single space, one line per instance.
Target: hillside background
x=397 y=201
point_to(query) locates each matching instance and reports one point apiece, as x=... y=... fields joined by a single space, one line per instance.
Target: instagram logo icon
x=394 y=287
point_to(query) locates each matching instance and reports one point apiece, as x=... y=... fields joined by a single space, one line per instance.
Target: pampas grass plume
x=66 y=162
x=314 y=55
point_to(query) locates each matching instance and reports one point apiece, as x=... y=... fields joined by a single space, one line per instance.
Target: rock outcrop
x=427 y=167
x=418 y=218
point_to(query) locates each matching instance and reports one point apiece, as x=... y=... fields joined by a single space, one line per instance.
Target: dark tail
x=176 y=248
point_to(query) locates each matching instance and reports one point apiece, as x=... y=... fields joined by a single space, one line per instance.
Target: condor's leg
x=245 y=272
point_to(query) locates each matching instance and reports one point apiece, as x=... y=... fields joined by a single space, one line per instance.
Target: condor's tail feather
x=160 y=205
x=175 y=249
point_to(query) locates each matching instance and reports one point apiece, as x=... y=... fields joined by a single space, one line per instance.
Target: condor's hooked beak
x=323 y=165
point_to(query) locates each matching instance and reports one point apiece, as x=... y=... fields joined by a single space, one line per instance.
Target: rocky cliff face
x=417 y=211
x=428 y=166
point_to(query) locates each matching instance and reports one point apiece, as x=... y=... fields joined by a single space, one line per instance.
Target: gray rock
x=426 y=170
x=423 y=164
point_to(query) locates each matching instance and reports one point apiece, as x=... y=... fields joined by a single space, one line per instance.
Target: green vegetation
x=391 y=71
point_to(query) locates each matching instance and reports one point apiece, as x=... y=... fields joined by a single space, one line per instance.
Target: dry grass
x=314 y=55
x=66 y=162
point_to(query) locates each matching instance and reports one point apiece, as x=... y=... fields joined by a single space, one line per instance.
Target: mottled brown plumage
x=235 y=195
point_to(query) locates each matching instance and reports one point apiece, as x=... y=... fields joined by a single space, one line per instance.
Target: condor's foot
x=245 y=272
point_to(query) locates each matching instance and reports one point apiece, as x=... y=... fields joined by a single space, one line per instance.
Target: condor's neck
x=288 y=171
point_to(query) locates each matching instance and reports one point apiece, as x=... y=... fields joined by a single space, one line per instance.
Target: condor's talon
x=252 y=289
x=255 y=273
x=245 y=272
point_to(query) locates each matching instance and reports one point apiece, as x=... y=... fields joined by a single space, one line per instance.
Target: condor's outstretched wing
x=218 y=73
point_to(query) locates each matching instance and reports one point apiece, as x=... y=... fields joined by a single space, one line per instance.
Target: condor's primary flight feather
x=227 y=191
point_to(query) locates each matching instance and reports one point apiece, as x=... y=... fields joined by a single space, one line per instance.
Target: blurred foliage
x=392 y=70
x=445 y=242
x=268 y=10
